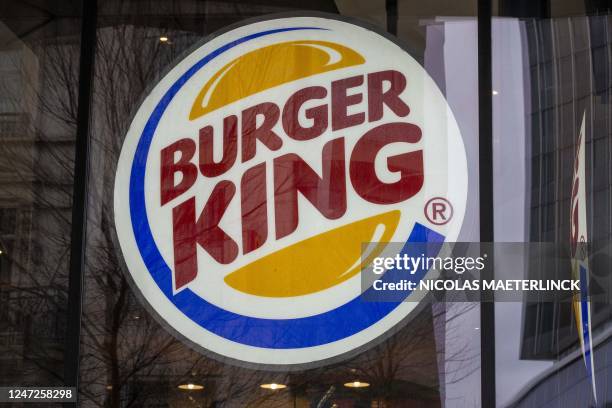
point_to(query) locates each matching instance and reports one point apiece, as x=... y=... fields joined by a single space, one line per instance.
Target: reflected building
x=35 y=208
x=569 y=75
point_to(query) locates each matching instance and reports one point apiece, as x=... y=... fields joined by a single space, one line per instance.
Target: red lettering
x=205 y=231
x=251 y=132
x=410 y=165
x=208 y=167
x=326 y=193
x=377 y=98
x=341 y=101
x=254 y=208
x=318 y=114
x=325 y=190
x=188 y=170
x=438 y=210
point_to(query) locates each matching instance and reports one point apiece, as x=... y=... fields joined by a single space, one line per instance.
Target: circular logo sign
x=257 y=167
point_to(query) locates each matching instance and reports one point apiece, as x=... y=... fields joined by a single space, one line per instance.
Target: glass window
x=541 y=362
x=39 y=63
x=129 y=357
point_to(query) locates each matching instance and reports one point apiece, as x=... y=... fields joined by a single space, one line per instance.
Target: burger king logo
x=257 y=167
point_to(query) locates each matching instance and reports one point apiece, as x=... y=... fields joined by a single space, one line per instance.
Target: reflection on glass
x=559 y=54
x=39 y=61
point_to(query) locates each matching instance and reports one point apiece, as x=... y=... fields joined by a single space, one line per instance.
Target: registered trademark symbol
x=438 y=211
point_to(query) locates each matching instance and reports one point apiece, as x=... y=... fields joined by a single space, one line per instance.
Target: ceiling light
x=357 y=384
x=163 y=38
x=495 y=92
x=191 y=387
x=273 y=386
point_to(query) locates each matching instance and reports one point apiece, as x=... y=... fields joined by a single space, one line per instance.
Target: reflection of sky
x=510 y=131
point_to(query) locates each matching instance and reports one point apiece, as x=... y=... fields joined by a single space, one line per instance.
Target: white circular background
x=445 y=175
